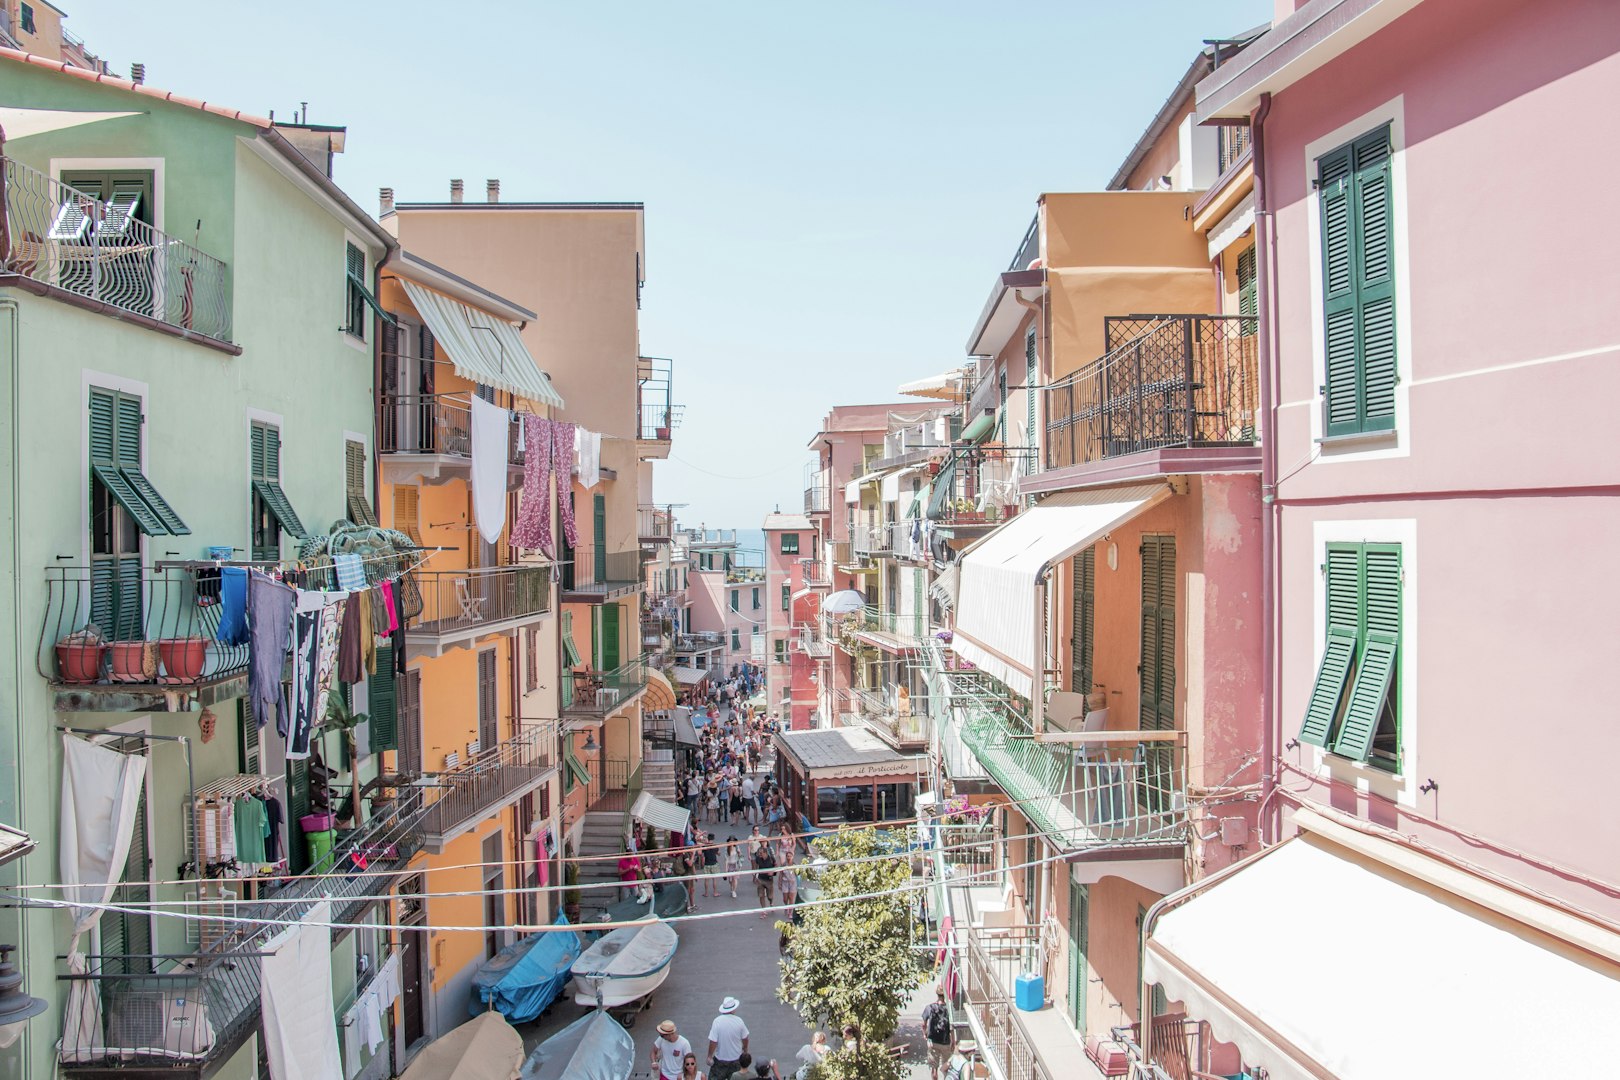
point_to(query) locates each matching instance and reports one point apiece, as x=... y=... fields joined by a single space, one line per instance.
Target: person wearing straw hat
x=728 y=1041
x=669 y=1052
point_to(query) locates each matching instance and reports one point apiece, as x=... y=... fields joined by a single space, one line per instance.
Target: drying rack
x=212 y=896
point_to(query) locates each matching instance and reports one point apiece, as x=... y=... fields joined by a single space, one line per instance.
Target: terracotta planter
x=131 y=661
x=183 y=658
x=79 y=663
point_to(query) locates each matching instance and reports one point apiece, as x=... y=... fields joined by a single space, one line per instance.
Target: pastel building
x=790 y=675
x=729 y=602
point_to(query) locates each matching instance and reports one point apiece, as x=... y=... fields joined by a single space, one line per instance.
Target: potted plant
x=346 y=720
x=183 y=658
x=133 y=661
x=571 y=883
x=78 y=656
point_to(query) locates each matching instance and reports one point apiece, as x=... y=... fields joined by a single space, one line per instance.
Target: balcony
x=1102 y=790
x=461 y=606
x=1037 y=1045
x=904 y=727
x=155 y=644
x=653 y=525
x=976 y=488
x=592 y=696
x=73 y=245
x=912 y=443
x=817 y=575
x=495 y=777
x=889 y=631
x=1029 y=249
x=1183 y=389
x=656 y=415
x=428 y=438
x=700 y=641
x=599 y=579
x=817 y=499
x=139 y=1030
x=813 y=644
x=870 y=539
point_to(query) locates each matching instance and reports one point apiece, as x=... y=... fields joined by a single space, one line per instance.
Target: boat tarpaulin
x=594 y=1047
x=522 y=979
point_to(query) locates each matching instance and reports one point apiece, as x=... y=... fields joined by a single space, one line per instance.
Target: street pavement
x=735 y=956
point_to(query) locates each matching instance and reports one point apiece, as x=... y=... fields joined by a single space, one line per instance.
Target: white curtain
x=489 y=454
x=587 y=457
x=101 y=789
x=300 y=1027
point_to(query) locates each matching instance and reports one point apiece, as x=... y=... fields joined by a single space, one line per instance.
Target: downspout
x=1269 y=509
x=13 y=313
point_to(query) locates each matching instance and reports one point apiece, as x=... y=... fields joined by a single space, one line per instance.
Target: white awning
x=995 y=608
x=852 y=490
x=944 y=385
x=1400 y=966
x=944 y=587
x=890 y=488
x=660 y=814
x=688 y=676
x=20 y=122
x=1232 y=226
x=483 y=348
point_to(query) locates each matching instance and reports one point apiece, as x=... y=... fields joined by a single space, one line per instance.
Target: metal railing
x=153 y=626
x=699 y=641
x=870 y=539
x=492 y=779
x=602 y=693
x=1232 y=142
x=103 y=251
x=616 y=570
x=656 y=413
x=1166 y=381
x=814 y=645
x=424 y=424
x=909 y=628
x=908 y=539
x=817 y=574
x=170 y=1010
x=978 y=485
x=993 y=961
x=458 y=600
x=653 y=523
x=1030 y=249
x=816 y=499
x=882 y=712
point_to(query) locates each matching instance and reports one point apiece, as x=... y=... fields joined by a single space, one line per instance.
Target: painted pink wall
x=780 y=569
x=1509 y=444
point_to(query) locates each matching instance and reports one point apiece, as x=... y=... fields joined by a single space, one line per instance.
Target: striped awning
x=660 y=814
x=483 y=348
x=688 y=676
x=660 y=692
x=996 y=609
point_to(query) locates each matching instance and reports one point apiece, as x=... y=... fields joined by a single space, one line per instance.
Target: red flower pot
x=129 y=661
x=183 y=658
x=79 y=663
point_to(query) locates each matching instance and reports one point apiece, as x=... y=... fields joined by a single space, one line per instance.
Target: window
x=531 y=660
x=605 y=619
x=354 y=300
x=736 y=639
x=410 y=719
x=1083 y=625
x=787 y=596
x=756 y=597
x=1358 y=286
x=855 y=802
x=488 y=702
x=380 y=702
x=354 y=481
x=25 y=19
x=735 y=598
x=272 y=513
x=790 y=543
x=127 y=194
x=406 y=501
x=1248 y=291
x=1158 y=702
x=779 y=649
x=1361 y=652
x=494 y=893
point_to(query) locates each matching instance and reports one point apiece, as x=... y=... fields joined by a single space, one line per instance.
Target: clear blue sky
x=830 y=187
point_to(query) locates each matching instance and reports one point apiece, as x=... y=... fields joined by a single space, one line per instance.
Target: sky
x=830 y=189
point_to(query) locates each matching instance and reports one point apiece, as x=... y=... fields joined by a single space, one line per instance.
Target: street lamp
x=16 y=1007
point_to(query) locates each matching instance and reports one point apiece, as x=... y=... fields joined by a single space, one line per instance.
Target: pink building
x=728 y=594
x=791 y=542
x=1438 y=336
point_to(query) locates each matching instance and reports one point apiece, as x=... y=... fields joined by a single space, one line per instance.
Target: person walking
x=764 y=876
x=936 y=1019
x=711 y=863
x=733 y=864
x=670 y=1050
x=750 y=804
x=689 y=1068
x=728 y=1041
x=787 y=881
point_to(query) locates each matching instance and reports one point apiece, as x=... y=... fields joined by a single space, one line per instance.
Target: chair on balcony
x=472 y=607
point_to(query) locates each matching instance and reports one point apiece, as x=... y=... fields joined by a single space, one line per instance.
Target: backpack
x=937 y=1024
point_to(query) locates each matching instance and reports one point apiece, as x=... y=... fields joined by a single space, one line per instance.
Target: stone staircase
x=602 y=835
x=658 y=777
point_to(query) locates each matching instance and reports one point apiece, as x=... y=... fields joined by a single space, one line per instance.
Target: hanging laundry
x=368 y=633
x=315 y=636
x=233 y=627
x=588 y=455
x=272 y=826
x=562 y=465
x=387 y=590
x=533 y=526
x=351 y=658
x=270 y=612
x=489 y=452
x=247 y=816
x=351 y=572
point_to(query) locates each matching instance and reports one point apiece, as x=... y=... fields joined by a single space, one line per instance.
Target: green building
x=187 y=348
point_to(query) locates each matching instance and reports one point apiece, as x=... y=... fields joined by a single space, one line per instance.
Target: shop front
x=844 y=776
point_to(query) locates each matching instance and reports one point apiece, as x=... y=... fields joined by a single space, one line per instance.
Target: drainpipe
x=13 y=791
x=1269 y=509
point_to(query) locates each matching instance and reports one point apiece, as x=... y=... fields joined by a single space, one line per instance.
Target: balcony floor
x=148 y=697
x=440 y=636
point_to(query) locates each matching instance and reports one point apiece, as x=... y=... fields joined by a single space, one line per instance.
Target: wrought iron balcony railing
x=458 y=602
x=493 y=778
x=817 y=575
x=116 y=623
x=656 y=413
x=595 y=694
x=978 y=485
x=816 y=499
x=102 y=251
x=898 y=721
x=870 y=539
x=1166 y=381
x=602 y=576
x=432 y=424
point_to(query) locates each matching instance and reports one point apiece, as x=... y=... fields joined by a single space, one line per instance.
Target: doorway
x=413 y=945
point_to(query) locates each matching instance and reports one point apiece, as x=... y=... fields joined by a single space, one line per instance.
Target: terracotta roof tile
x=138 y=88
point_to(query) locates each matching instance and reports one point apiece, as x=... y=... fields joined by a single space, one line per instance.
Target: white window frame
x=1366 y=778
x=133 y=387
x=359 y=344
x=276 y=421
x=1382 y=444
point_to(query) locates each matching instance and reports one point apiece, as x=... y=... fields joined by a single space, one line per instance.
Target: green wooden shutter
x=115 y=460
x=1079 y=945
x=1248 y=289
x=1341 y=392
x=1323 y=709
x=1375 y=279
x=297 y=807
x=609 y=625
x=1031 y=377
x=103 y=437
x=256 y=461
x=1165 y=693
x=382 y=704
x=115 y=597
x=569 y=648
x=1381 y=636
x=489 y=732
x=248 y=725
x=599 y=537
x=787 y=596
x=354 y=480
x=272 y=453
x=1082 y=634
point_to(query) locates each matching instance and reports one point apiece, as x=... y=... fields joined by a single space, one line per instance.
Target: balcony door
x=607 y=637
x=125 y=936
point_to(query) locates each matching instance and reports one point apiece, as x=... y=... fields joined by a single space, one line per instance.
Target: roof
x=1180 y=97
x=475 y=205
x=786 y=521
x=143 y=89
x=835 y=748
x=418 y=269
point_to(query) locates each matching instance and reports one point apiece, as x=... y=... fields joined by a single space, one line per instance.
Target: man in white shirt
x=669 y=1050
x=728 y=1040
x=750 y=807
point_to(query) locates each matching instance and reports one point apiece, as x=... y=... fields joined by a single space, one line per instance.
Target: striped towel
x=350 y=574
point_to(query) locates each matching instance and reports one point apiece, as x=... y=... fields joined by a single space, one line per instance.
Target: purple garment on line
x=269 y=615
x=562 y=463
x=533 y=526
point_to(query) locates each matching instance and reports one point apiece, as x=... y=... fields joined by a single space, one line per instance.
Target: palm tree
x=346 y=720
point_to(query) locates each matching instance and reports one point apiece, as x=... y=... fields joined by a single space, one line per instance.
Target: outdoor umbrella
x=483 y=1049
x=845 y=602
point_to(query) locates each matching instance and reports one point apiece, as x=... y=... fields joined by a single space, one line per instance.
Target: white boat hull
x=616 y=991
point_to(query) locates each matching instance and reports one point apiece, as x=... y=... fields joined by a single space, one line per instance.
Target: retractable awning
x=687 y=676
x=660 y=814
x=979 y=427
x=945 y=385
x=852 y=490
x=890 y=488
x=1403 y=966
x=660 y=692
x=685 y=731
x=482 y=348
x=995 y=611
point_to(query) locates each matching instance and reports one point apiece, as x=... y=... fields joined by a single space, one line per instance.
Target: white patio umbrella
x=844 y=602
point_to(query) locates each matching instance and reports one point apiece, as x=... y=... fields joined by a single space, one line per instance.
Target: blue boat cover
x=526 y=976
x=594 y=1047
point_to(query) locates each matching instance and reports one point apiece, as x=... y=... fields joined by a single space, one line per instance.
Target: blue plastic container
x=1029 y=991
